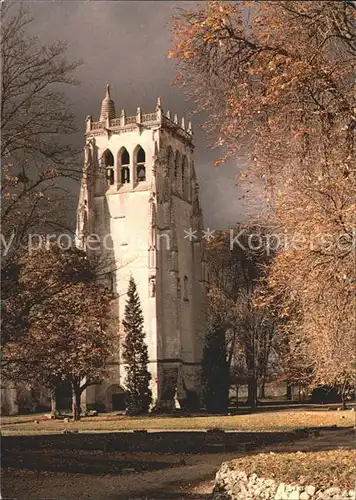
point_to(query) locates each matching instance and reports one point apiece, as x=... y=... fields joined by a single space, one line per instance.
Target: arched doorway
x=115 y=396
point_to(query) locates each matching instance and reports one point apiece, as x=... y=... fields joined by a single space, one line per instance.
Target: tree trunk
x=343 y=390
x=53 y=402
x=252 y=392
x=251 y=373
x=289 y=391
x=262 y=390
x=76 y=401
x=237 y=387
x=343 y=394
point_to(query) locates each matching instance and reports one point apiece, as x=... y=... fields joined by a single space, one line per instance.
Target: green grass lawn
x=269 y=421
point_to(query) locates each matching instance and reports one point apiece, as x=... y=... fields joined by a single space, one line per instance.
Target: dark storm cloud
x=126 y=44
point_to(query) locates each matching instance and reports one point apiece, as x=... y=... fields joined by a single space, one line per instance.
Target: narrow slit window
x=177 y=172
x=185 y=178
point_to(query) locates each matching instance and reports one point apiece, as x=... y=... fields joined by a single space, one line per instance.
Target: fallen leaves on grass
x=269 y=420
x=321 y=469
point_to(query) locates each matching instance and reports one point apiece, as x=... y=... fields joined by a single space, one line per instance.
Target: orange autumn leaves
x=276 y=80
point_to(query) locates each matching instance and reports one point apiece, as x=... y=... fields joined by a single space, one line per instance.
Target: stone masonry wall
x=231 y=484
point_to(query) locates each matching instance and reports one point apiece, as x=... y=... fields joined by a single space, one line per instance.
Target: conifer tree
x=135 y=355
x=215 y=372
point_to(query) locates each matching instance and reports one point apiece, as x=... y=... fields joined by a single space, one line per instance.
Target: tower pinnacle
x=107 y=106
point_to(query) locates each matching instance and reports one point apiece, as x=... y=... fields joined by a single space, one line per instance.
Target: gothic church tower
x=139 y=196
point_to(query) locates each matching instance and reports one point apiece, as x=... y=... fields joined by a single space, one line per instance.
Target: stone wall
x=231 y=484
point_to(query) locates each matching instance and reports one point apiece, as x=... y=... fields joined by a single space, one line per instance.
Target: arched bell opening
x=140 y=164
x=124 y=166
x=108 y=165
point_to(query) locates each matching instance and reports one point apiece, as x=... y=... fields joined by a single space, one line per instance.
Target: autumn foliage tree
x=65 y=333
x=277 y=81
x=37 y=276
x=135 y=355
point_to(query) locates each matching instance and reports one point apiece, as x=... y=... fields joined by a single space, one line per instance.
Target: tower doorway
x=115 y=395
x=118 y=401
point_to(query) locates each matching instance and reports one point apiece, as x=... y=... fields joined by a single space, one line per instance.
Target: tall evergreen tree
x=135 y=355
x=216 y=372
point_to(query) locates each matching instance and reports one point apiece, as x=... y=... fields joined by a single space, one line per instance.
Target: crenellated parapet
x=109 y=123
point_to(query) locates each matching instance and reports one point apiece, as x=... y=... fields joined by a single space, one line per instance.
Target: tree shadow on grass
x=80 y=462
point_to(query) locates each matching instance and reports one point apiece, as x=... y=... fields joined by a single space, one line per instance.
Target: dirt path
x=191 y=480
x=65 y=486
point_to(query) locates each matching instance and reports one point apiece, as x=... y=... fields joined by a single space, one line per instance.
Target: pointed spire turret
x=159 y=110
x=107 y=107
x=159 y=104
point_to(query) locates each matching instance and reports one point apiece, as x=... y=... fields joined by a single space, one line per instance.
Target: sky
x=125 y=44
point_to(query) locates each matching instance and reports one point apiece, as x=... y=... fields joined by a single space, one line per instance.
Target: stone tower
x=139 y=199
